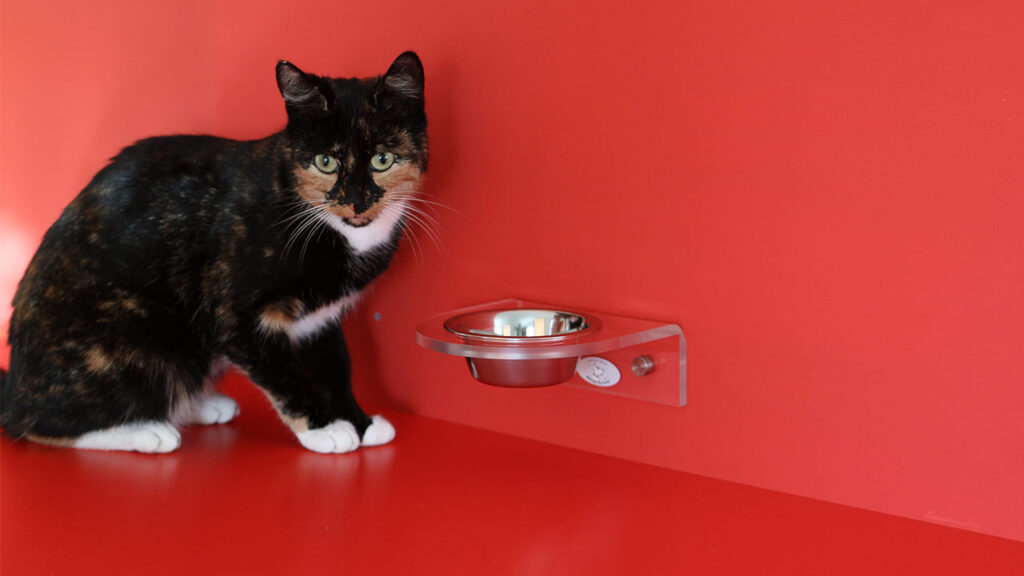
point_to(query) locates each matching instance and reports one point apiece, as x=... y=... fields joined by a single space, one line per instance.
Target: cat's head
x=357 y=147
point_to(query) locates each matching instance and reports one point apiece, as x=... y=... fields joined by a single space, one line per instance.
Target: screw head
x=642 y=365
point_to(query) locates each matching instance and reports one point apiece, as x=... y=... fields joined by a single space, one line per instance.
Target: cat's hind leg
x=153 y=437
x=209 y=408
x=101 y=391
x=149 y=437
x=114 y=408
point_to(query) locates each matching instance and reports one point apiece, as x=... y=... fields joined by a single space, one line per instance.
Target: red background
x=826 y=197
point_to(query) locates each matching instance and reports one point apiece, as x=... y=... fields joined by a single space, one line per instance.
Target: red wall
x=827 y=197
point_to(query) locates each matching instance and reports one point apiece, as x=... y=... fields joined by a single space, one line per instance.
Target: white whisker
x=431 y=203
x=298 y=210
x=414 y=243
x=425 y=216
x=310 y=222
x=318 y=229
x=415 y=218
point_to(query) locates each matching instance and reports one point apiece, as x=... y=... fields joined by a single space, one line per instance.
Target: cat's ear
x=300 y=90
x=404 y=78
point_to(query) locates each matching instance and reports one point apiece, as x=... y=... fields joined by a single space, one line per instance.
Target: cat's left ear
x=404 y=79
x=300 y=90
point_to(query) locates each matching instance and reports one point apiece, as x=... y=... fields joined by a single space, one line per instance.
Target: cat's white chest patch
x=316 y=321
x=377 y=232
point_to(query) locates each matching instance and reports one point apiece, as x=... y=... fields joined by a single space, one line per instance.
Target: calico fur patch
x=186 y=253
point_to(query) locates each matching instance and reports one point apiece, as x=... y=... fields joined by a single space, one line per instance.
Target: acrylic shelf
x=611 y=335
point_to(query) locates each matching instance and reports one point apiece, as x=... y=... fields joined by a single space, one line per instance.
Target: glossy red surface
x=245 y=498
x=826 y=196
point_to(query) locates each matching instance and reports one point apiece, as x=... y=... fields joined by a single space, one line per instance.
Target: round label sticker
x=598 y=371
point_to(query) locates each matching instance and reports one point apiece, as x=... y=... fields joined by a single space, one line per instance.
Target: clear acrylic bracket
x=619 y=339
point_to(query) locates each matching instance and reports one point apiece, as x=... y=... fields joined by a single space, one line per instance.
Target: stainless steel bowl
x=521 y=328
x=523 y=373
x=516 y=325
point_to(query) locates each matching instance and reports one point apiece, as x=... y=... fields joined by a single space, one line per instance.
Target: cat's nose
x=356 y=210
x=346 y=211
x=362 y=205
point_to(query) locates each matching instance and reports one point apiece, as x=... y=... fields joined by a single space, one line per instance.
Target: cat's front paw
x=380 y=432
x=335 y=438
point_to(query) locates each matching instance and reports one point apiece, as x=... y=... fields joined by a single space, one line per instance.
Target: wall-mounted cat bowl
x=519 y=328
x=519 y=344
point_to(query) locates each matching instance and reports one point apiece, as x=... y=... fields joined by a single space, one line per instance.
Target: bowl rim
x=590 y=324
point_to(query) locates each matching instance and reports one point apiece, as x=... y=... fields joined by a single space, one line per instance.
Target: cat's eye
x=383 y=161
x=326 y=164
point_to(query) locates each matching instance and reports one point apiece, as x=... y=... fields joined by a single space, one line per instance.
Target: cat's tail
x=3 y=397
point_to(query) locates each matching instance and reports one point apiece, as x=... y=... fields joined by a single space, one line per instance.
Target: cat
x=186 y=255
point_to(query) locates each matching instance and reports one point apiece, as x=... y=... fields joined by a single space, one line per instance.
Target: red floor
x=244 y=498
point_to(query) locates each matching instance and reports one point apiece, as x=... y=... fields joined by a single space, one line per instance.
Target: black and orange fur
x=187 y=249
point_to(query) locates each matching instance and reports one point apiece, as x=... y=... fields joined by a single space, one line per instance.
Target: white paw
x=152 y=437
x=380 y=432
x=158 y=437
x=213 y=408
x=337 y=437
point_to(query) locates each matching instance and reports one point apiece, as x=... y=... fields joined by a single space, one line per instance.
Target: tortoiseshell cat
x=187 y=254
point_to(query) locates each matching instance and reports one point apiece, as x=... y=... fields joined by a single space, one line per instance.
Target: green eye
x=382 y=161
x=326 y=164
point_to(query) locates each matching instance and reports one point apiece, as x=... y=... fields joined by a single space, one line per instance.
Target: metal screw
x=642 y=365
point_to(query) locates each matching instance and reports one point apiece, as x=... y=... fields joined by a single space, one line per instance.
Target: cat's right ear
x=300 y=90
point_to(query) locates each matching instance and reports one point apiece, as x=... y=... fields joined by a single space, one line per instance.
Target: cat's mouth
x=358 y=221
x=349 y=215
